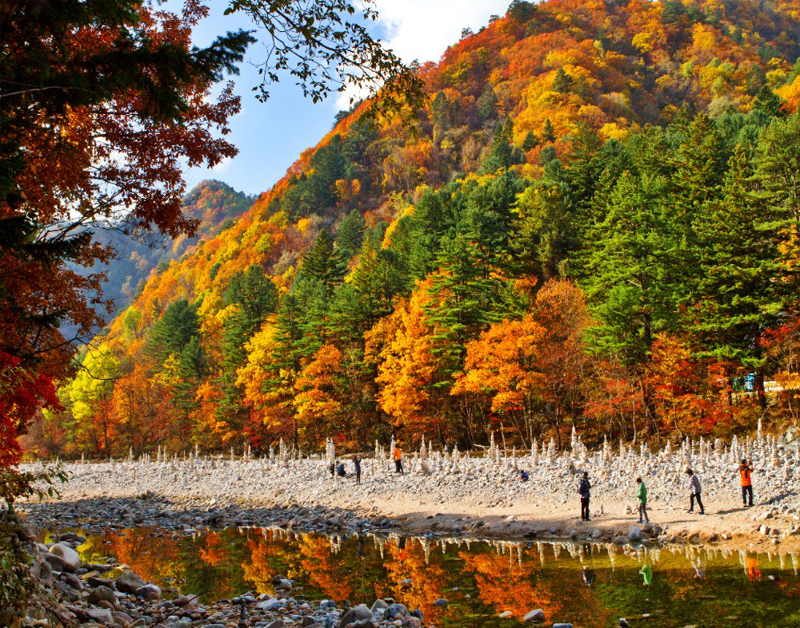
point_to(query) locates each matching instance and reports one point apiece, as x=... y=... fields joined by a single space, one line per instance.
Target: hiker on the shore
x=694 y=489
x=332 y=468
x=745 y=471
x=641 y=495
x=398 y=459
x=584 y=490
x=340 y=470
x=357 y=465
x=523 y=475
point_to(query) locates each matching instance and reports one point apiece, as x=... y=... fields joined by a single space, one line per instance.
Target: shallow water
x=587 y=585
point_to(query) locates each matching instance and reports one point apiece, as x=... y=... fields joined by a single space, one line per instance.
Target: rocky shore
x=445 y=492
x=107 y=594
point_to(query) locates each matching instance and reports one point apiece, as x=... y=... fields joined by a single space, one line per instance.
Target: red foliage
x=22 y=394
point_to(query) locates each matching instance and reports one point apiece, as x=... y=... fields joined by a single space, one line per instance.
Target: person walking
x=584 y=490
x=398 y=459
x=694 y=488
x=641 y=495
x=745 y=471
x=357 y=465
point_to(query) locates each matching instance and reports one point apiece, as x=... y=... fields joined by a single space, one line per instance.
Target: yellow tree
x=401 y=345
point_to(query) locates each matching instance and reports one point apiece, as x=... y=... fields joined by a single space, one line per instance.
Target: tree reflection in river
x=479 y=580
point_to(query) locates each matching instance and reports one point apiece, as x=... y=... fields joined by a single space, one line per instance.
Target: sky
x=270 y=136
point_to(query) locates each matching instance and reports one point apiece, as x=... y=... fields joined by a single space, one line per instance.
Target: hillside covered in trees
x=214 y=205
x=593 y=223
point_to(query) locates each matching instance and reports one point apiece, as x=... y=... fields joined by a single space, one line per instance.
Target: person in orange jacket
x=745 y=471
x=398 y=459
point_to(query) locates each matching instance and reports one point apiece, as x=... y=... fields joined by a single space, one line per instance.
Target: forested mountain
x=211 y=203
x=594 y=222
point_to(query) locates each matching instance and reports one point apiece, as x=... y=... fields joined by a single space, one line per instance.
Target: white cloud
x=222 y=166
x=423 y=29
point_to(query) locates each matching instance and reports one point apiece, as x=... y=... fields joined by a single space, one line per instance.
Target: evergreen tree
x=351 y=234
x=628 y=269
x=466 y=299
x=777 y=164
x=502 y=154
x=562 y=83
x=548 y=134
x=173 y=331
x=735 y=293
x=487 y=104
x=544 y=233
x=530 y=141
x=324 y=262
x=769 y=103
x=255 y=294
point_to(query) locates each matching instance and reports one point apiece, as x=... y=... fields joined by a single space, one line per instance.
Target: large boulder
x=396 y=609
x=534 y=615
x=72 y=580
x=100 y=615
x=357 y=613
x=149 y=592
x=635 y=534
x=128 y=582
x=269 y=605
x=69 y=557
x=379 y=605
x=102 y=593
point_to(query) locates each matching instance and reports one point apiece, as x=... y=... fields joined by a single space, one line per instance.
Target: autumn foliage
x=561 y=241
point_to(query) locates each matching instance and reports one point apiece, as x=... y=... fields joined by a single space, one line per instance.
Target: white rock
x=69 y=556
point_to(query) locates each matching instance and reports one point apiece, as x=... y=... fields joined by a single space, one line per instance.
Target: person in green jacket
x=641 y=495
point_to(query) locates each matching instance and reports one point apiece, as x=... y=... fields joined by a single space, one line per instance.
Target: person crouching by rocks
x=340 y=470
x=694 y=488
x=357 y=465
x=745 y=471
x=641 y=495
x=584 y=490
x=398 y=459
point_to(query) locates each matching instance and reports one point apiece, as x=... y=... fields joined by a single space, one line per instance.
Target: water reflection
x=587 y=584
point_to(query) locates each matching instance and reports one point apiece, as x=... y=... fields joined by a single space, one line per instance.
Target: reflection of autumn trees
x=327 y=570
x=427 y=578
x=509 y=585
x=213 y=553
x=267 y=556
x=152 y=558
x=517 y=581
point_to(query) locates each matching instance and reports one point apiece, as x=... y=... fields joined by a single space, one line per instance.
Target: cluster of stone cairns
x=489 y=479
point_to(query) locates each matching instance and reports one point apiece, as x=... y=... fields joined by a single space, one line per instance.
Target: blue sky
x=271 y=135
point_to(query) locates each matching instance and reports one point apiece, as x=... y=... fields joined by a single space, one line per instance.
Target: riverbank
x=104 y=593
x=447 y=494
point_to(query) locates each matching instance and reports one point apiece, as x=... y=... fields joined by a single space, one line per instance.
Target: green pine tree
x=351 y=234
x=562 y=83
x=324 y=262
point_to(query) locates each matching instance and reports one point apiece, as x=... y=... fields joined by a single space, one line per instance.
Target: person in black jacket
x=584 y=488
x=357 y=465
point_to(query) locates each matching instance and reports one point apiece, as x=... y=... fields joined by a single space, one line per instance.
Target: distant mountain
x=214 y=204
